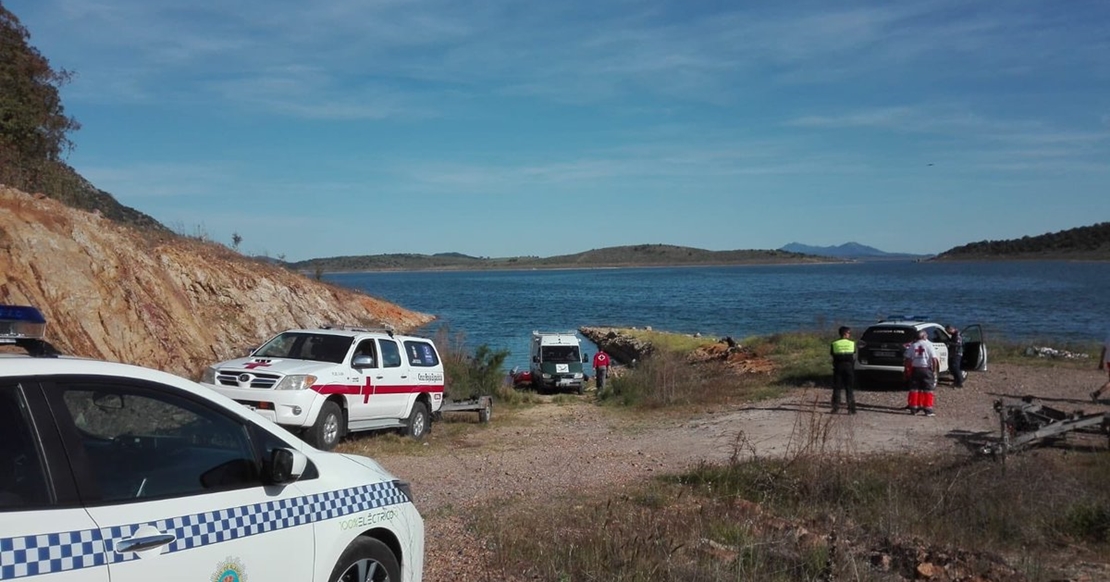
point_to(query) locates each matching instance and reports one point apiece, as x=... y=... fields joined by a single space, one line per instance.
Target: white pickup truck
x=324 y=383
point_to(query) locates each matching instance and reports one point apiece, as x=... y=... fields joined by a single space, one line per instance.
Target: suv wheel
x=325 y=434
x=366 y=560
x=419 y=421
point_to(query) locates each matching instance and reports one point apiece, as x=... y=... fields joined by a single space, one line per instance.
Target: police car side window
x=391 y=354
x=143 y=444
x=22 y=480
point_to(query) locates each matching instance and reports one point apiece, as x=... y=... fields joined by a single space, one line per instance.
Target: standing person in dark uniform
x=955 y=355
x=843 y=352
x=601 y=368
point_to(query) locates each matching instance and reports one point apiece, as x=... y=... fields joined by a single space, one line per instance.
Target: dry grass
x=820 y=512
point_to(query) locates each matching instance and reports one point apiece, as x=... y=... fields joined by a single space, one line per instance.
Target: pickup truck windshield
x=316 y=347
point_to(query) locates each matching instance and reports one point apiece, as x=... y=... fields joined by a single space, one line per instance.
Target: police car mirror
x=284 y=466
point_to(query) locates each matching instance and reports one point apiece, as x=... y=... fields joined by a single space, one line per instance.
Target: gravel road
x=583 y=447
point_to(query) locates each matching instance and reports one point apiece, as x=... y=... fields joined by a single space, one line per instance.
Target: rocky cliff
x=113 y=292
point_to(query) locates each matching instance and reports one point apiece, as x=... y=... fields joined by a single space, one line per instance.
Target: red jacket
x=601 y=359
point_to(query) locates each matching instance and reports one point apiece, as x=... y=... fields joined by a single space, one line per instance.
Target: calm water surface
x=1061 y=301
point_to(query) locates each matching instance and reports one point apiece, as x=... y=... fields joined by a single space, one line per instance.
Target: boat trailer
x=1025 y=422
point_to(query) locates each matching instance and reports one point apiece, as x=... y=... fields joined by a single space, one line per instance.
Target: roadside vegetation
x=819 y=513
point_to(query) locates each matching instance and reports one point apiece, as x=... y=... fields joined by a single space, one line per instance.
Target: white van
x=324 y=383
x=557 y=360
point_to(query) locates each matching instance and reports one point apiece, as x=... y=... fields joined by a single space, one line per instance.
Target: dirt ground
x=556 y=447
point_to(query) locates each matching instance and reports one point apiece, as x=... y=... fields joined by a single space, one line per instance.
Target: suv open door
x=975 y=349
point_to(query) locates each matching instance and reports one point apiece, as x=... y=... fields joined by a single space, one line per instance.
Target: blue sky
x=505 y=128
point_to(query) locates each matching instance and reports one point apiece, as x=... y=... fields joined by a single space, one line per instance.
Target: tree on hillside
x=33 y=125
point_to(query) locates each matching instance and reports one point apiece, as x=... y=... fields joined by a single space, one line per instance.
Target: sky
x=504 y=128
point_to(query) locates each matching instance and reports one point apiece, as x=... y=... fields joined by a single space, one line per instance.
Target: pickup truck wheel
x=486 y=412
x=325 y=434
x=418 y=423
x=366 y=560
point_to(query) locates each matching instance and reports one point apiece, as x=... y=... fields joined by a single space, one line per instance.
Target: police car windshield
x=317 y=347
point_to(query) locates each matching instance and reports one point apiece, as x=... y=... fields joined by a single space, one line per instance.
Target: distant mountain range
x=647 y=255
x=849 y=250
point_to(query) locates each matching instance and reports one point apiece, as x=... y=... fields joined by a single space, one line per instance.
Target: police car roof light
x=906 y=318
x=21 y=322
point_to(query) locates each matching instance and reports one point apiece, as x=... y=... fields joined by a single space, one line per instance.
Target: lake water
x=1043 y=301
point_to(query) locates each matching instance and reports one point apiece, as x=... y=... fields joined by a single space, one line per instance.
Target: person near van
x=1103 y=364
x=843 y=352
x=924 y=363
x=601 y=367
x=955 y=354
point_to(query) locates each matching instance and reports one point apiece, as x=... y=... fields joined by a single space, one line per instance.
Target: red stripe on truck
x=355 y=389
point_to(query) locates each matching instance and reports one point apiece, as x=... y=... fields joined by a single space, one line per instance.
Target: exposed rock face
x=111 y=292
x=623 y=348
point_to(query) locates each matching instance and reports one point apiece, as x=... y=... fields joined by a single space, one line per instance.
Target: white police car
x=881 y=347
x=112 y=471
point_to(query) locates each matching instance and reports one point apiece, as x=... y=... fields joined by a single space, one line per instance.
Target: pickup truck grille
x=253 y=379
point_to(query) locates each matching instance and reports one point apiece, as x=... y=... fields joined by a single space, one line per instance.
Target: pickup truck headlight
x=209 y=375
x=296 y=382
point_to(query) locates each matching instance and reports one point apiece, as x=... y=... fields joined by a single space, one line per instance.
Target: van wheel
x=325 y=434
x=366 y=560
x=419 y=421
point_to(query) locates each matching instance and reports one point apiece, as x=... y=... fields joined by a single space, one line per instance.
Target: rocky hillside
x=114 y=292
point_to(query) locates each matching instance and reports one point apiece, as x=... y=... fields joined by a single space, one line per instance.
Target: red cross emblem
x=920 y=350
x=254 y=365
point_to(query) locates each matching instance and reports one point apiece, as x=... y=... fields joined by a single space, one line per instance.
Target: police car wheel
x=418 y=423
x=366 y=560
x=325 y=434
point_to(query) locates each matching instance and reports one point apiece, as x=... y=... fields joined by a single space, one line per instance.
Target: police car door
x=44 y=533
x=975 y=349
x=173 y=485
x=938 y=338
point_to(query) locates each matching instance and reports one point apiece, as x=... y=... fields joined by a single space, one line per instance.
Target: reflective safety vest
x=842 y=349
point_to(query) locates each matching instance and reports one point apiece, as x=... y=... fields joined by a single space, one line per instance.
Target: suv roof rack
x=571 y=332
x=389 y=329
x=25 y=327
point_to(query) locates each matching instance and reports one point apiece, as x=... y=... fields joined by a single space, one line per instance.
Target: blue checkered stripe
x=53 y=552
x=57 y=552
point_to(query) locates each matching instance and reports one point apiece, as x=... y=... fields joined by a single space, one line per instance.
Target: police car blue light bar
x=906 y=318
x=19 y=322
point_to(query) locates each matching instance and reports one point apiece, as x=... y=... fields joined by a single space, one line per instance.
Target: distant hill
x=648 y=255
x=1082 y=243
x=849 y=250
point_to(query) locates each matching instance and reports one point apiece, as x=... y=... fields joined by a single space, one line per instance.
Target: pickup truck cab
x=328 y=382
